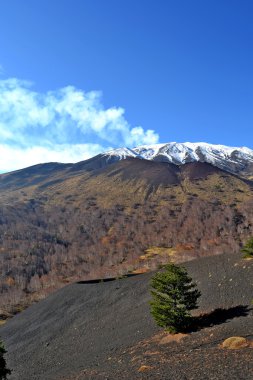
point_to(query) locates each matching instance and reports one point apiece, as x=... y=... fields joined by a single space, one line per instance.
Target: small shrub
x=3 y=370
x=174 y=295
x=248 y=249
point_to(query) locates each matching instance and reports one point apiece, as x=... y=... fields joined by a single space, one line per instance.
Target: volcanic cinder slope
x=104 y=330
x=102 y=217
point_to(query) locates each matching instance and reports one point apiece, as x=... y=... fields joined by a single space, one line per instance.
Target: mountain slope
x=62 y=223
x=232 y=159
x=105 y=330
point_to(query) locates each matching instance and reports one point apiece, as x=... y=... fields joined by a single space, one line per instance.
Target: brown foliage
x=97 y=224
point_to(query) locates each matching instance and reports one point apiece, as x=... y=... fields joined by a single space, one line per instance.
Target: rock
x=172 y=338
x=144 y=368
x=235 y=342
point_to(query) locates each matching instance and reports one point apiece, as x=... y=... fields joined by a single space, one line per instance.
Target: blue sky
x=81 y=76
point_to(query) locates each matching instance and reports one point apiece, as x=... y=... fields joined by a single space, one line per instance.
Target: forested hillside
x=64 y=223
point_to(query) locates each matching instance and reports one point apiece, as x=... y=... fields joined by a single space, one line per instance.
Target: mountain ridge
x=237 y=160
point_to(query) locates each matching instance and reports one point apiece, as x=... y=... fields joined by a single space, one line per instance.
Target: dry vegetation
x=68 y=223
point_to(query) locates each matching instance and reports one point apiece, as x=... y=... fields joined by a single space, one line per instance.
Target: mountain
x=234 y=160
x=111 y=215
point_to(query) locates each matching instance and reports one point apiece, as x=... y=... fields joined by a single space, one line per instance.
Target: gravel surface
x=105 y=331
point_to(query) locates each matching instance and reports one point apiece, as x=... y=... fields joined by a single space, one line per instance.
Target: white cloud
x=13 y=158
x=62 y=125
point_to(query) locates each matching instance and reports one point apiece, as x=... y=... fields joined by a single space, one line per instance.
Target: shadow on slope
x=218 y=316
x=102 y=280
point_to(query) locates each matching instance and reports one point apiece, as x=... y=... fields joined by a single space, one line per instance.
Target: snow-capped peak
x=232 y=159
x=121 y=153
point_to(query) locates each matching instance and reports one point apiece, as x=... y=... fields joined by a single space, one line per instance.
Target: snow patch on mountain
x=121 y=153
x=232 y=159
x=187 y=152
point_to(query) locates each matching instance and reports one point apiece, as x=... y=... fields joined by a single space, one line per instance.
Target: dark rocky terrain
x=61 y=223
x=104 y=330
